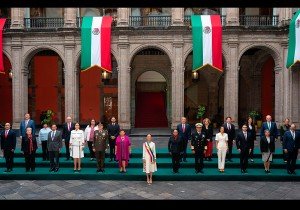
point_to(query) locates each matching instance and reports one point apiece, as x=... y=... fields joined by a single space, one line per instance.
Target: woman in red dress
x=122 y=150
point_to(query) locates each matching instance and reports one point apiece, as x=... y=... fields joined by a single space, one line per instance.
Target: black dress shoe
x=245 y=171
x=242 y=171
x=293 y=172
x=196 y=172
x=266 y=171
x=51 y=169
x=98 y=170
x=7 y=170
x=269 y=171
x=56 y=170
x=289 y=172
x=102 y=170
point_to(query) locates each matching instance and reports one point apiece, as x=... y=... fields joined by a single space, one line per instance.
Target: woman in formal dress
x=122 y=150
x=208 y=130
x=222 y=147
x=76 y=146
x=43 y=140
x=89 y=136
x=29 y=147
x=267 y=148
x=149 y=158
x=252 y=130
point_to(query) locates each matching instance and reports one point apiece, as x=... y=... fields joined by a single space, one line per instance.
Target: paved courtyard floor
x=79 y=189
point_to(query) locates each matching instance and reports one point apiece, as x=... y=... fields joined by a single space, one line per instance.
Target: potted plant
x=47 y=117
x=200 y=112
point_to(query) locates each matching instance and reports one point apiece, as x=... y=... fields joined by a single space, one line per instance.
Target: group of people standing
x=202 y=143
x=99 y=140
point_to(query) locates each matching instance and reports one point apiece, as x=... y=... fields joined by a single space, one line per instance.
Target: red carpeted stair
x=151 y=110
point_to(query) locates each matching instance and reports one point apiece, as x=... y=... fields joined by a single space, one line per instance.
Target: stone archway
x=46 y=80
x=256 y=83
x=150 y=58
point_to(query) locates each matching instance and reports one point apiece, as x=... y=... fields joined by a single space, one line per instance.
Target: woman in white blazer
x=222 y=146
x=76 y=146
x=89 y=136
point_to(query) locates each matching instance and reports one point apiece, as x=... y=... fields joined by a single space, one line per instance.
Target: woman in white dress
x=76 y=146
x=222 y=146
x=149 y=158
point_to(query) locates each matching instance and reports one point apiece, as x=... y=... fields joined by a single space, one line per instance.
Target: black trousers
x=45 y=150
x=100 y=157
x=229 y=153
x=67 y=143
x=291 y=160
x=176 y=161
x=54 y=159
x=185 y=143
x=251 y=156
x=199 y=160
x=9 y=158
x=244 y=158
x=29 y=161
x=112 y=144
x=90 y=145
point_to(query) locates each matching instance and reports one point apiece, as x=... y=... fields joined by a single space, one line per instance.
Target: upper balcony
x=259 y=20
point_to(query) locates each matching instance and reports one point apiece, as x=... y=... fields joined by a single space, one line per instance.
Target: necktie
x=269 y=125
x=294 y=135
x=229 y=127
x=53 y=135
x=6 y=133
x=26 y=123
x=245 y=134
x=183 y=128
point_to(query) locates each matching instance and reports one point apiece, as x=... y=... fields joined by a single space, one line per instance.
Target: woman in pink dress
x=122 y=150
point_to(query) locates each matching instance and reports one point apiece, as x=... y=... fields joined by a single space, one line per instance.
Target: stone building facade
x=245 y=50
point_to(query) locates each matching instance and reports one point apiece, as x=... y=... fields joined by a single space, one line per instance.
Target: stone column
x=17 y=18
x=70 y=17
x=231 y=85
x=285 y=15
x=232 y=17
x=71 y=83
x=177 y=82
x=124 y=84
x=177 y=17
x=123 y=17
x=19 y=84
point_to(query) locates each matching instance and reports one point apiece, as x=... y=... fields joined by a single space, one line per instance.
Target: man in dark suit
x=54 y=144
x=243 y=144
x=175 y=145
x=185 y=132
x=26 y=123
x=113 y=132
x=198 y=146
x=67 y=128
x=269 y=125
x=229 y=128
x=291 y=146
x=8 y=146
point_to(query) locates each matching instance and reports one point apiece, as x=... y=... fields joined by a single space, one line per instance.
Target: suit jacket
x=100 y=140
x=8 y=143
x=186 y=136
x=56 y=143
x=25 y=144
x=113 y=130
x=241 y=142
x=198 y=141
x=283 y=129
x=175 y=146
x=289 y=143
x=273 y=129
x=208 y=132
x=67 y=133
x=265 y=146
x=252 y=131
x=231 y=133
x=30 y=124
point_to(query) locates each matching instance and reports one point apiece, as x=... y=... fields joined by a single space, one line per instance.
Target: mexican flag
x=207 y=41
x=95 y=43
x=294 y=41
x=2 y=23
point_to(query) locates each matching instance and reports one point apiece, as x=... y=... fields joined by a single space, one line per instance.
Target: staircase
x=164 y=173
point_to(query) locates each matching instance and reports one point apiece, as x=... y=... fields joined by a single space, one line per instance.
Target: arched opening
x=256 y=83
x=6 y=93
x=151 y=88
x=207 y=91
x=98 y=99
x=46 y=86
